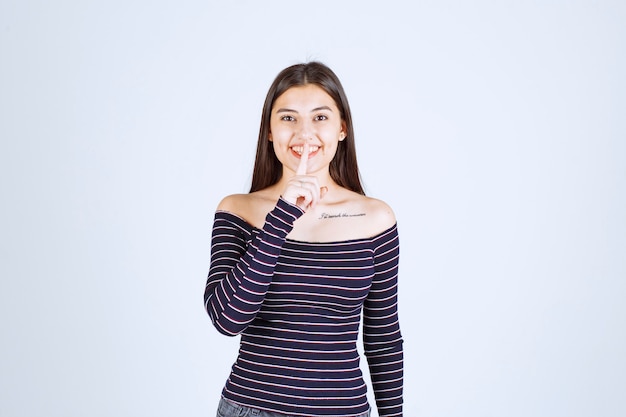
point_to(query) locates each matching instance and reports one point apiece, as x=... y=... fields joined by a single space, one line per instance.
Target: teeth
x=300 y=149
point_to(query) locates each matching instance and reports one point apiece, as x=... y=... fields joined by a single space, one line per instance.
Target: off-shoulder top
x=298 y=306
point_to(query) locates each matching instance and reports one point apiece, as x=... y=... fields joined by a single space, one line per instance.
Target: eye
x=321 y=117
x=287 y=118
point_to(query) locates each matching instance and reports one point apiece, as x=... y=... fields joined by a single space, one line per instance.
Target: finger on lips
x=310 y=192
x=304 y=159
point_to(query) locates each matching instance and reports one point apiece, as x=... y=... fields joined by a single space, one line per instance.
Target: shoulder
x=251 y=207
x=380 y=214
x=233 y=203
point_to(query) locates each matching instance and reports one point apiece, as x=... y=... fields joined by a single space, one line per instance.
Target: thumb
x=323 y=191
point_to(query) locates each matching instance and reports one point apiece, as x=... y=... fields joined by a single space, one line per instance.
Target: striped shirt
x=298 y=306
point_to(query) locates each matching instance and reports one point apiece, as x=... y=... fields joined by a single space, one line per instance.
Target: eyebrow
x=285 y=110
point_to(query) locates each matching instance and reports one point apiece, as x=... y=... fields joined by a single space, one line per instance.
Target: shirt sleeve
x=240 y=271
x=381 y=329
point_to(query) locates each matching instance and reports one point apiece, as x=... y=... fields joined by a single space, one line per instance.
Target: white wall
x=495 y=130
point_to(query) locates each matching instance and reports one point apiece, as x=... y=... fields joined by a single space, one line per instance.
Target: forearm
x=387 y=371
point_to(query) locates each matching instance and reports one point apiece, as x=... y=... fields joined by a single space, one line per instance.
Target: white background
x=496 y=130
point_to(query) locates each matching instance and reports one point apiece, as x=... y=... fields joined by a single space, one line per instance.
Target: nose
x=306 y=131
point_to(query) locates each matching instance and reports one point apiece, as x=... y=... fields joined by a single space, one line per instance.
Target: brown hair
x=343 y=168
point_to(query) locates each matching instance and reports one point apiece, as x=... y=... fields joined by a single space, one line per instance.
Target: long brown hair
x=343 y=168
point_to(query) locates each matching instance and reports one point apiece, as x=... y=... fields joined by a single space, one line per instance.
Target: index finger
x=304 y=159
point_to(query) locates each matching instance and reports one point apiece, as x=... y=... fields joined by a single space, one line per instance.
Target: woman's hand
x=303 y=190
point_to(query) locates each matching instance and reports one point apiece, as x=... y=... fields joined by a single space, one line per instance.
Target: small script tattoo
x=339 y=215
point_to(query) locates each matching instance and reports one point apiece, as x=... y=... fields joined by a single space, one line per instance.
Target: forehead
x=303 y=98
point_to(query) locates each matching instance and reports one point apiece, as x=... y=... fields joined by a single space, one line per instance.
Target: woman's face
x=306 y=114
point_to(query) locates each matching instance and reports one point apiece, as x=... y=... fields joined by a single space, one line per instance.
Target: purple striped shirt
x=298 y=306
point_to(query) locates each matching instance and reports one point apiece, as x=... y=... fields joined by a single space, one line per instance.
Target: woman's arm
x=381 y=329
x=240 y=273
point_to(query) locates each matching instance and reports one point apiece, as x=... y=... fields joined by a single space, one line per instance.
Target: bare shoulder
x=233 y=203
x=380 y=214
x=251 y=207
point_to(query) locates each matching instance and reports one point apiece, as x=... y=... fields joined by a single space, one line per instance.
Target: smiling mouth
x=300 y=149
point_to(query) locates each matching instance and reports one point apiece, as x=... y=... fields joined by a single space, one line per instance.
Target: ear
x=343 y=134
x=269 y=136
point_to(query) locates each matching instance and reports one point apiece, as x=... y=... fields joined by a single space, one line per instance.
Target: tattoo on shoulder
x=339 y=215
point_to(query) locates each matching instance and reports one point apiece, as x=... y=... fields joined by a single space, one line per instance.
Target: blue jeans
x=230 y=409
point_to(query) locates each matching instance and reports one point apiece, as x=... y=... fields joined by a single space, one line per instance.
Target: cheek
x=280 y=134
x=279 y=145
x=330 y=150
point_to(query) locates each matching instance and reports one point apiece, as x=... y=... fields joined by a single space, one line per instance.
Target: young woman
x=298 y=260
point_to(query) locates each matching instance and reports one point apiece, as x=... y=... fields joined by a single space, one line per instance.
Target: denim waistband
x=228 y=408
